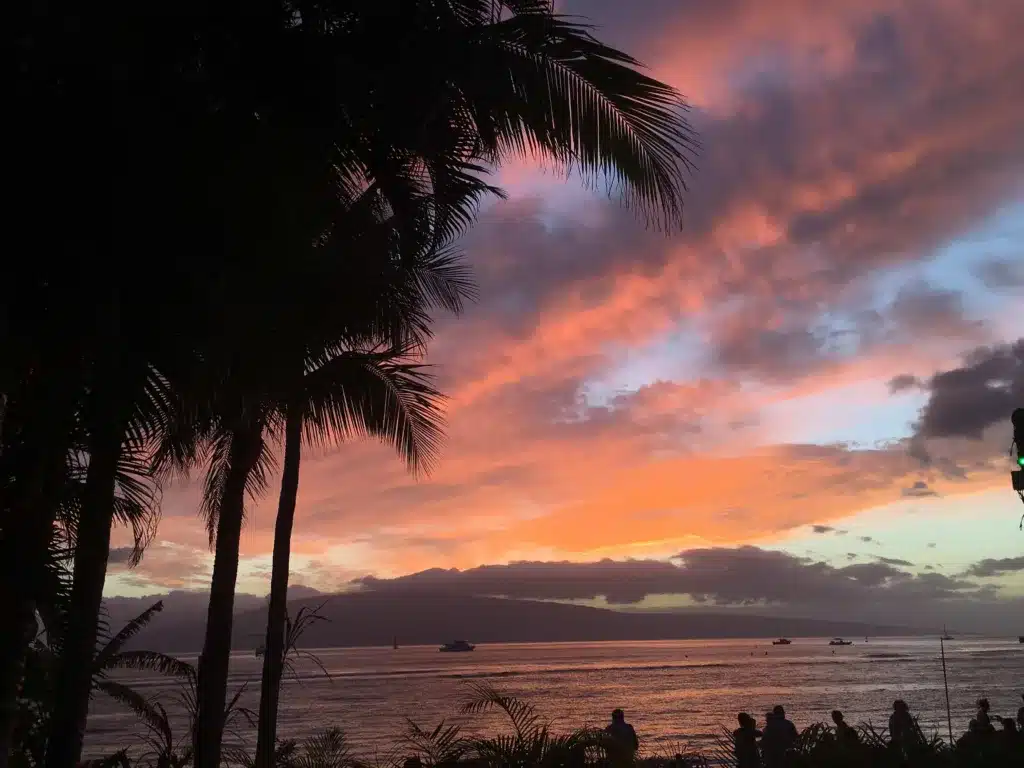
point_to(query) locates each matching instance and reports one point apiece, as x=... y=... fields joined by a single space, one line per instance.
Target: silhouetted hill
x=366 y=619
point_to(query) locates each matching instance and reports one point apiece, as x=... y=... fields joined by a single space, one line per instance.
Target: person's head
x=768 y=717
x=973 y=725
x=899 y=706
x=837 y=716
x=1020 y=717
x=618 y=716
x=983 y=705
x=778 y=711
x=746 y=721
x=1009 y=725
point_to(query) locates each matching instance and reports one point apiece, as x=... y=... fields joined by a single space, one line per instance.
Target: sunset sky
x=811 y=384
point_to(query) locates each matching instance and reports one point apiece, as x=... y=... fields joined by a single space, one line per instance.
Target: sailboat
x=945 y=634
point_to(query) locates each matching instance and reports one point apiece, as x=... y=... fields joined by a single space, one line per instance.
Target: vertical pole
x=945 y=682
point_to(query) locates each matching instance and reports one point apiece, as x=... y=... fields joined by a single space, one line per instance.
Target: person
x=845 y=735
x=1009 y=739
x=983 y=717
x=779 y=737
x=623 y=735
x=745 y=742
x=1020 y=718
x=902 y=728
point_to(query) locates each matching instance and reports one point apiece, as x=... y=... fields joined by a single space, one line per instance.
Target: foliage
x=306 y=617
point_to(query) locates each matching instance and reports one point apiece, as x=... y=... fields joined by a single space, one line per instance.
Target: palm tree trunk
x=74 y=675
x=212 y=685
x=39 y=467
x=273 y=656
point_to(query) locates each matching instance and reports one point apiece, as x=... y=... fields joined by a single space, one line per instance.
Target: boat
x=782 y=641
x=945 y=634
x=458 y=646
x=839 y=641
x=394 y=644
x=1020 y=639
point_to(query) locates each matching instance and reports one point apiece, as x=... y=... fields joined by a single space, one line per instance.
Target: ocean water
x=676 y=693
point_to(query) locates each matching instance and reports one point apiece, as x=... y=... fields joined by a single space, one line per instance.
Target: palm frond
x=380 y=396
x=444 y=745
x=151 y=661
x=132 y=699
x=127 y=632
x=584 y=105
x=326 y=749
x=484 y=697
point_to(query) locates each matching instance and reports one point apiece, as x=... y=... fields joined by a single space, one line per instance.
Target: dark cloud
x=721 y=576
x=965 y=401
x=904 y=382
x=991 y=567
x=894 y=561
x=822 y=528
x=918 y=490
x=1002 y=274
x=119 y=555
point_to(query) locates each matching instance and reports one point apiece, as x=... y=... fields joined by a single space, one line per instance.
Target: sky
x=800 y=403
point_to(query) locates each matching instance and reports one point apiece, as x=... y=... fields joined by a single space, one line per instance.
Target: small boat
x=1020 y=639
x=839 y=641
x=945 y=634
x=458 y=646
x=782 y=641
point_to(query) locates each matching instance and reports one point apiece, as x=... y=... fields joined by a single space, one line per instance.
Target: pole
x=945 y=683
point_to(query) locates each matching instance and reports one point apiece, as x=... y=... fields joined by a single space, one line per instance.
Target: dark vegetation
x=231 y=226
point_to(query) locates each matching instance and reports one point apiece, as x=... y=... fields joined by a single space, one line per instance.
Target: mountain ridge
x=374 y=619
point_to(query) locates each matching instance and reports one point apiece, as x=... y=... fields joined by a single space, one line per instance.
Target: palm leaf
x=131 y=629
x=327 y=749
x=135 y=701
x=486 y=698
x=151 y=661
x=443 y=745
x=375 y=395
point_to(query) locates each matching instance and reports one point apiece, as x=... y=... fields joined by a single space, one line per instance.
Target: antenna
x=1017 y=475
x=945 y=683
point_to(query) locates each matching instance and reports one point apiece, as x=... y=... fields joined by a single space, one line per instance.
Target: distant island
x=376 y=619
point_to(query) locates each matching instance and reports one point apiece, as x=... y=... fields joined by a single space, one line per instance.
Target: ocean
x=677 y=694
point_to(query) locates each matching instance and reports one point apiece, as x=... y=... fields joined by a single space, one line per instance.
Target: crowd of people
x=770 y=745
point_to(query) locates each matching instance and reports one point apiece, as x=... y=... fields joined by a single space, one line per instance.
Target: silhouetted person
x=624 y=740
x=902 y=730
x=1020 y=719
x=845 y=735
x=779 y=737
x=745 y=742
x=983 y=717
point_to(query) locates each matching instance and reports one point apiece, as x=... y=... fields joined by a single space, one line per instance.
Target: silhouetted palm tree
x=36 y=732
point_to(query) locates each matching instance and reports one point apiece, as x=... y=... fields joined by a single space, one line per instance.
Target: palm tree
x=45 y=662
x=570 y=99
x=118 y=486
x=353 y=394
